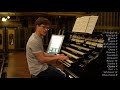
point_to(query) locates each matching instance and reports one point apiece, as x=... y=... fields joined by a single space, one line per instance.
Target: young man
x=38 y=60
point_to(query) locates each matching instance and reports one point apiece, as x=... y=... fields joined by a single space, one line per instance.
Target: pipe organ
x=84 y=52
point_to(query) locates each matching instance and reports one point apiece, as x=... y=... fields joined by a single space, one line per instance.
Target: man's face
x=43 y=29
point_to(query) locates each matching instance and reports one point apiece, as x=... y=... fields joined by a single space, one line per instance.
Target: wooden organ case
x=86 y=54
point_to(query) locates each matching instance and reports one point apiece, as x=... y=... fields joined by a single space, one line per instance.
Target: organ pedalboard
x=82 y=49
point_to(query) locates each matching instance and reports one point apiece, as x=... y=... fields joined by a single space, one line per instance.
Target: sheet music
x=85 y=24
x=80 y=24
x=91 y=24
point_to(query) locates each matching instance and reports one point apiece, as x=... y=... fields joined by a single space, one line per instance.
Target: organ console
x=85 y=51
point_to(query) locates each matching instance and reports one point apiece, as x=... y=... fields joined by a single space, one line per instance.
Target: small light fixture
x=4 y=19
x=8 y=17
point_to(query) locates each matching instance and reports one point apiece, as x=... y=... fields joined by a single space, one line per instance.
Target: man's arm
x=45 y=59
x=49 y=55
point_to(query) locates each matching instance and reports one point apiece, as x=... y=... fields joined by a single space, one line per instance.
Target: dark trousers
x=51 y=72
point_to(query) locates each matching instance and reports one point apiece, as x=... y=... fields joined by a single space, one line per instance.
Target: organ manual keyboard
x=86 y=54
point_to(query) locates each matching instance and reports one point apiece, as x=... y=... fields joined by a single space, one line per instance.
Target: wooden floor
x=17 y=65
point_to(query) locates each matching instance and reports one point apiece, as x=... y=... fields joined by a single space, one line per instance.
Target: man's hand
x=62 y=57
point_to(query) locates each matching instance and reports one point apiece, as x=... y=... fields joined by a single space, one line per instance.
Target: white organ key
x=101 y=40
x=80 y=47
x=94 y=44
x=99 y=45
x=88 y=42
x=81 y=53
x=66 y=64
x=69 y=54
x=88 y=39
x=73 y=39
x=79 y=41
x=69 y=61
x=95 y=40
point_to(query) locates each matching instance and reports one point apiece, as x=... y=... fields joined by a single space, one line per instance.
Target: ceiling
x=42 y=13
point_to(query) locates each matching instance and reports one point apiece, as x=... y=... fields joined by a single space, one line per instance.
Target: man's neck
x=38 y=34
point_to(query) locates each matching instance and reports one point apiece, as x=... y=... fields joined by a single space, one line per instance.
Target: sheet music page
x=85 y=24
x=91 y=24
x=81 y=24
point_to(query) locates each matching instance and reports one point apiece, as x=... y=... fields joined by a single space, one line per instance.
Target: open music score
x=85 y=24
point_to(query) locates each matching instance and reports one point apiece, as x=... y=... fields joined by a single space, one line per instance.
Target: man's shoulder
x=32 y=39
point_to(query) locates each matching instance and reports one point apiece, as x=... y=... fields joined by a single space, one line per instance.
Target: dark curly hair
x=42 y=20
